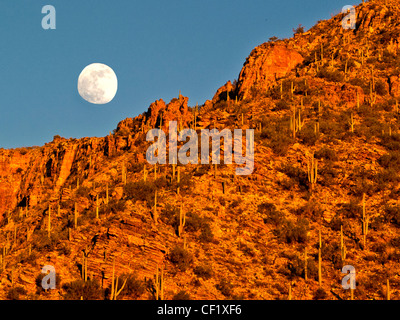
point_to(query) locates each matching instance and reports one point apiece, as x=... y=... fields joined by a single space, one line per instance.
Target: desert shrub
x=331 y=252
x=270 y=214
x=296 y=175
x=384 y=178
x=181 y=258
x=392 y=215
x=140 y=191
x=16 y=292
x=307 y=136
x=89 y=290
x=170 y=215
x=351 y=210
x=181 y=295
x=225 y=287
x=291 y=232
x=83 y=191
x=42 y=242
x=331 y=129
x=330 y=75
x=311 y=209
x=380 y=87
x=327 y=174
x=114 y=206
x=38 y=282
x=277 y=138
x=391 y=142
x=206 y=234
x=362 y=181
x=390 y=160
x=295 y=267
x=298 y=30
x=134 y=287
x=326 y=153
x=320 y=294
x=281 y=105
x=203 y=271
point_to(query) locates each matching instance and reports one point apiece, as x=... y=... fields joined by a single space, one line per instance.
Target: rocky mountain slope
x=323 y=103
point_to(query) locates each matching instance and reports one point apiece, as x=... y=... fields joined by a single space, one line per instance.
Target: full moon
x=97 y=83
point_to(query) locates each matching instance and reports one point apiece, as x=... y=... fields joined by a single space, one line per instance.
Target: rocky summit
x=324 y=192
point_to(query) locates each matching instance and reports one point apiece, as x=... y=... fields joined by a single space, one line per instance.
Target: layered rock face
x=266 y=64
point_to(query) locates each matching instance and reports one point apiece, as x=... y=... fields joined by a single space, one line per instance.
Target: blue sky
x=155 y=47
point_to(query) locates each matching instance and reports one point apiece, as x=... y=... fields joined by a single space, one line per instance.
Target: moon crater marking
x=97 y=83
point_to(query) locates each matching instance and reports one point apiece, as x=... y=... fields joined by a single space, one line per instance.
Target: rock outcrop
x=266 y=64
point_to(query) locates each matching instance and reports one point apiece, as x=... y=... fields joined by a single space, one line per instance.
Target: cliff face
x=265 y=65
x=325 y=100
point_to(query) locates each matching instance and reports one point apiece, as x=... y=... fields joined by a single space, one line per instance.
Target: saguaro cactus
x=296 y=124
x=305 y=265
x=97 y=206
x=351 y=122
x=178 y=180
x=182 y=221
x=107 y=193
x=155 y=214
x=76 y=216
x=342 y=246
x=49 y=223
x=114 y=285
x=312 y=170
x=84 y=266
x=365 y=221
x=320 y=260
x=160 y=284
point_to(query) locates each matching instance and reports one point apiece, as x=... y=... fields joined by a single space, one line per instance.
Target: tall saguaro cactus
x=155 y=214
x=342 y=246
x=160 y=284
x=76 y=216
x=365 y=221
x=49 y=223
x=312 y=170
x=320 y=260
x=182 y=221
x=114 y=284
